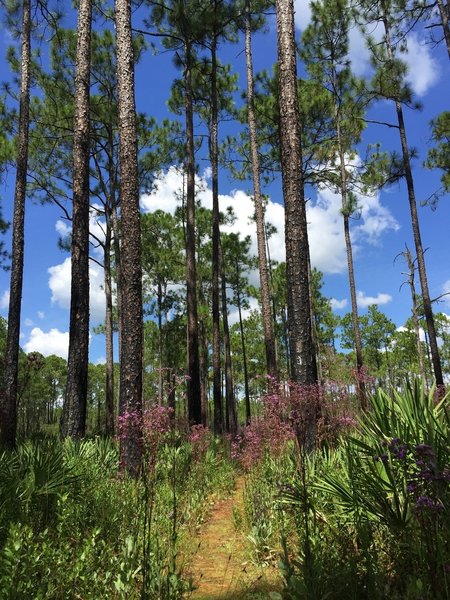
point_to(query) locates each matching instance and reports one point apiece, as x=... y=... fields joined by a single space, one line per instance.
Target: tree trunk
x=351 y=273
x=214 y=155
x=248 y=414
x=73 y=421
x=109 y=331
x=230 y=401
x=159 y=295
x=194 y=400
x=130 y=401
x=302 y=359
x=415 y=317
x=428 y=311
x=269 y=337
x=8 y=399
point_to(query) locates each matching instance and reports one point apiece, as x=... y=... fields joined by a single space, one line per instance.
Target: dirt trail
x=220 y=568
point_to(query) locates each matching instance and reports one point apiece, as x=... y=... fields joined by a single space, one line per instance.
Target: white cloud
x=338 y=304
x=63 y=228
x=166 y=196
x=41 y=314
x=325 y=227
x=326 y=231
x=302 y=14
x=233 y=316
x=59 y=283
x=4 y=300
x=423 y=68
x=364 y=301
x=47 y=343
x=28 y=323
x=101 y=360
x=421 y=332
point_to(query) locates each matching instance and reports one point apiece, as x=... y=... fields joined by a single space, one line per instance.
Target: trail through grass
x=221 y=568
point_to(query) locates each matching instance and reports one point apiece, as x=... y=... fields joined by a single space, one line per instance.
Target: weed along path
x=221 y=569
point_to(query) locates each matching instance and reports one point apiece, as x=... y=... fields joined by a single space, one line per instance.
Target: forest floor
x=222 y=568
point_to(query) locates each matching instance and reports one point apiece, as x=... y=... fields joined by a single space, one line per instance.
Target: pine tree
x=325 y=51
x=130 y=398
x=73 y=421
x=303 y=362
x=8 y=392
x=389 y=83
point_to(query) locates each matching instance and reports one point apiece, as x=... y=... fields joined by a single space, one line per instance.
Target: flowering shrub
x=200 y=438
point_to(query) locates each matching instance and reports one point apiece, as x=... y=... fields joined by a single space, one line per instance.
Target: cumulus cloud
x=325 y=228
x=338 y=304
x=59 y=283
x=302 y=14
x=421 y=332
x=233 y=316
x=28 y=323
x=4 y=300
x=365 y=301
x=326 y=232
x=41 y=314
x=423 y=68
x=63 y=228
x=48 y=342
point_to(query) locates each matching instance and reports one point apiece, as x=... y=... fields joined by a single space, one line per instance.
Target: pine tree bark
x=266 y=313
x=8 y=399
x=194 y=401
x=302 y=359
x=214 y=155
x=73 y=421
x=130 y=400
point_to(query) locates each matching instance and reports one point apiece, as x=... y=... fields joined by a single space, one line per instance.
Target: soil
x=221 y=568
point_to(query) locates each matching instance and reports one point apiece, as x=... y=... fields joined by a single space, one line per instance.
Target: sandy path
x=220 y=568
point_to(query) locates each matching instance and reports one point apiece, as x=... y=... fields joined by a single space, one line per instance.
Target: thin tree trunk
x=73 y=421
x=303 y=360
x=269 y=337
x=230 y=401
x=194 y=400
x=248 y=415
x=160 y=344
x=415 y=317
x=130 y=401
x=8 y=399
x=214 y=154
x=428 y=311
x=203 y=358
x=351 y=272
x=109 y=331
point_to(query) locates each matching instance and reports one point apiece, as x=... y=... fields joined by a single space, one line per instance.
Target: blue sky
x=378 y=236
